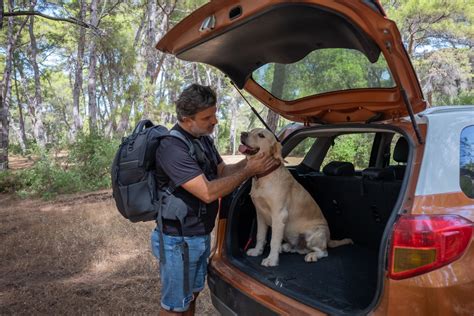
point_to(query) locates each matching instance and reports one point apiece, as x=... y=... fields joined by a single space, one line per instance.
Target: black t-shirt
x=175 y=166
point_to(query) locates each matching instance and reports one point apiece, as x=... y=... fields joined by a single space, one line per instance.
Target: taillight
x=422 y=243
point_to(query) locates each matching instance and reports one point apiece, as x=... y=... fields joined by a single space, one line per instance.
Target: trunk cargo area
x=346 y=281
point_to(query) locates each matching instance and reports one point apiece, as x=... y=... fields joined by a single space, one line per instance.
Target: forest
x=77 y=75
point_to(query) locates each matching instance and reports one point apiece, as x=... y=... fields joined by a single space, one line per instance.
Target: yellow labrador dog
x=282 y=203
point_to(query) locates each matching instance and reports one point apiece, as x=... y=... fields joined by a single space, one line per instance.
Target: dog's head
x=259 y=140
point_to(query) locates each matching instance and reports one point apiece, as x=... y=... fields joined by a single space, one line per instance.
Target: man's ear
x=276 y=151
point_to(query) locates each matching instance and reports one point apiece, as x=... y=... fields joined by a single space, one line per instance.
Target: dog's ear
x=276 y=151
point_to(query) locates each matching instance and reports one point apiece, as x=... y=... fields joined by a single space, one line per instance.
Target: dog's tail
x=337 y=243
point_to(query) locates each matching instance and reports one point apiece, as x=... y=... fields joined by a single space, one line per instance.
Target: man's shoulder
x=171 y=140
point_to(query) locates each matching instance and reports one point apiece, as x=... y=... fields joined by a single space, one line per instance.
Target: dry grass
x=77 y=255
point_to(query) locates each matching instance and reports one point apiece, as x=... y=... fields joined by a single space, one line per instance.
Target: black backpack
x=133 y=172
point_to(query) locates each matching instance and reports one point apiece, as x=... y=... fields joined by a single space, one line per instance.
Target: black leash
x=254 y=111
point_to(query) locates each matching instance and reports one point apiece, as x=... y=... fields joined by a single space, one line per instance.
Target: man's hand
x=260 y=163
x=209 y=191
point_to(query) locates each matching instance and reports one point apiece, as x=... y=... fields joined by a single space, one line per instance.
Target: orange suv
x=395 y=177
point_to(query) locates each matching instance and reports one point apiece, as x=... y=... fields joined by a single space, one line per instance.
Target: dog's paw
x=270 y=262
x=286 y=247
x=254 y=252
x=311 y=257
x=314 y=256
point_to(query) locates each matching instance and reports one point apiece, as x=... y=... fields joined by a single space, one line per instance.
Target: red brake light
x=422 y=243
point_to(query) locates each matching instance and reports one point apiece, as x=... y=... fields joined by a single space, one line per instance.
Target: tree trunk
x=36 y=105
x=233 y=127
x=277 y=90
x=21 y=132
x=430 y=98
x=5 y=96
x=124 y=118
x=77 y=125
x=110 y=126
x=151 y=54
x=154 y=64
x=91 y=86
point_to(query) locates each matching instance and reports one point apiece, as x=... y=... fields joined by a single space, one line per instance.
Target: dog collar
x=261 y=175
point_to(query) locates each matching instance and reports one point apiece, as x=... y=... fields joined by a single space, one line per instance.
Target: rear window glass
x=353 y=148
x=297 y=154
x=466 y=160
x=321 y=71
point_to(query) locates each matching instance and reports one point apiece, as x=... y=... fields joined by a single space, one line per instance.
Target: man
x=199 y=186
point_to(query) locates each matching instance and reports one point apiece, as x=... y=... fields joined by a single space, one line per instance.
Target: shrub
x=87 y=168
x=9 y=182
x=92 y=157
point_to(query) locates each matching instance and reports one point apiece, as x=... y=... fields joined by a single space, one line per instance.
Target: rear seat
x=356 y=207
x=400 y=155
x=336 y=190
x=380 y=191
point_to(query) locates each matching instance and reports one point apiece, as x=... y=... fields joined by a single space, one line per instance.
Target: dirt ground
x=77 y=255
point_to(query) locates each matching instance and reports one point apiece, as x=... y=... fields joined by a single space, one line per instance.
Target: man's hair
x=194 y=98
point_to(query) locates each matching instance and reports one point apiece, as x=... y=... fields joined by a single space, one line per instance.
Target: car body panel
x=444 y=291
x=444 y=159
x=187 y=42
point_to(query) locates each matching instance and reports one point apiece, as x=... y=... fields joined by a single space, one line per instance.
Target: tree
x=432 y=23
x=277 y=89
x=433 y=31
x=36 y=103
x=81 y=43
x=445 y=73
x=5 y=88
x=91 y=85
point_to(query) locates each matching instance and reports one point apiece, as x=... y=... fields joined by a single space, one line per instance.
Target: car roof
x=447 y=109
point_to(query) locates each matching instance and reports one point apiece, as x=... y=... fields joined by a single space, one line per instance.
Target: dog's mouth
x=247 y=150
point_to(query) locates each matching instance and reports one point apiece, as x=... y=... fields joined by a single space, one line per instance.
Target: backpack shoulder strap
x=192 y=150
x=187 y=141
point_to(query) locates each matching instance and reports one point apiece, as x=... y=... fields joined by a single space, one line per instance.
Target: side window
x=354 y=148
x=297 y=154
x=466 y=161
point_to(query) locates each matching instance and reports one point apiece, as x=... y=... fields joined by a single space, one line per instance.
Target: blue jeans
x=173 y=296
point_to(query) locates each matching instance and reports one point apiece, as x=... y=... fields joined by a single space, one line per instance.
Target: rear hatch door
x=310 y=61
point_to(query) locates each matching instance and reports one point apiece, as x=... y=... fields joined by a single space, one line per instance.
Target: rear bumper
x=230 y=301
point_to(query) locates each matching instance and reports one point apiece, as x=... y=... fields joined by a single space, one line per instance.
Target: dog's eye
x=261 y=135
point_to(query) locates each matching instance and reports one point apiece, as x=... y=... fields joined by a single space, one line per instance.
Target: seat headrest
x=339 y=168
x=378 y=174
x=400 y=153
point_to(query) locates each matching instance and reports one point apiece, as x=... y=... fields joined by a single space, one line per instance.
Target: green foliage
x=10 y=181
x=92 y=156
x=302 y=148
x=437 y=33
x=353 y=148
x=324 y=71
x=87 y=168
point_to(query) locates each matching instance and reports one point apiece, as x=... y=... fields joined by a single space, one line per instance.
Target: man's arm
x=209 y=191
x=224 y=170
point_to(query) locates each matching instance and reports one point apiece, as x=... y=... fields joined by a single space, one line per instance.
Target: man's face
x=203 y=122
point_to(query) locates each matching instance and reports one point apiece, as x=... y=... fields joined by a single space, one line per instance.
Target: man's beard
x=198 y=132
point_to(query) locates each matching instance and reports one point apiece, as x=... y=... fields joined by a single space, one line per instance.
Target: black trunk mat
x=345 y=280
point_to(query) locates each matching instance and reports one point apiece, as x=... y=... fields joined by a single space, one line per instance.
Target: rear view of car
x=392 y=175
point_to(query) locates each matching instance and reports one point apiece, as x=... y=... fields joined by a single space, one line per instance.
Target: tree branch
x=104 y=14
x=69 y=20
